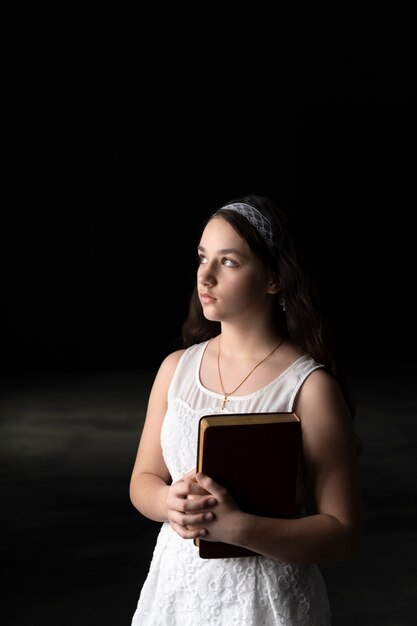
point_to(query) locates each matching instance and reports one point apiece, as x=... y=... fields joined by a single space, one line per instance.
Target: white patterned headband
x=258 y=221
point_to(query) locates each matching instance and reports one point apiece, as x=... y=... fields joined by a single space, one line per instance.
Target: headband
x=257 y=219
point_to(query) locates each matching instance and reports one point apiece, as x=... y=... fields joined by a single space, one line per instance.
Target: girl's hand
x=189 y=507
x=226 y=516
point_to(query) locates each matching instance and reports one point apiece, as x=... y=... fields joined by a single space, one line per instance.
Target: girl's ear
x=274 y=285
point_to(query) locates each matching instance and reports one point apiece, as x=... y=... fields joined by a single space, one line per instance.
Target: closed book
x=255 y=457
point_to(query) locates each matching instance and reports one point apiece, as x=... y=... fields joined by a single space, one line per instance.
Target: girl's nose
x=205 y=275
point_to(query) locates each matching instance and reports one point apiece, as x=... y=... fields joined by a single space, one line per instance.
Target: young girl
x=253 y=342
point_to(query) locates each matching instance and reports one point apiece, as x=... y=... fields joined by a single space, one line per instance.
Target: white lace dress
x=181 y=588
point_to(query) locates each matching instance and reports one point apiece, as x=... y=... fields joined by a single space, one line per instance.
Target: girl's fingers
x=198 y=504
x=190 y=475
x=211 y=486
x=189 y=523
x=184 y=488
x=189 y=534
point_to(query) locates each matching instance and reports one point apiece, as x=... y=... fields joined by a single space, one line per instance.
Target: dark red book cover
x=255 y=456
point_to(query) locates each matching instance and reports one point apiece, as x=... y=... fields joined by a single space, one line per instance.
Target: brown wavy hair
x=303 y=321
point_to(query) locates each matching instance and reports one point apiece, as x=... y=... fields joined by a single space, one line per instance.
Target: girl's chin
x=210 y=318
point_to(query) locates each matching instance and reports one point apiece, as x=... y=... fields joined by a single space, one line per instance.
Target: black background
x=111 y=159
x=100 y=221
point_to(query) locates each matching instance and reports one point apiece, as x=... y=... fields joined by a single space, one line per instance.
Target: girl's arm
x=151 y=491
x=330 y=455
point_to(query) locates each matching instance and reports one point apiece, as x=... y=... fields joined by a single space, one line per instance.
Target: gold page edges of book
x=255 y=456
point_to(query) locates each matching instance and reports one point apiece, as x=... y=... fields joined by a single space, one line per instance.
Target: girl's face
x=232 y=282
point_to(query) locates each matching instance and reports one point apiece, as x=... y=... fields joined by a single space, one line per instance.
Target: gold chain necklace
x=225 y=394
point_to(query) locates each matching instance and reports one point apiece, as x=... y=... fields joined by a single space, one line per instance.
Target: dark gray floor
x=76 y=552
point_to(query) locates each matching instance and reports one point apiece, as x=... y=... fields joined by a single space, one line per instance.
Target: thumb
x=210 y=485
x=189 y=475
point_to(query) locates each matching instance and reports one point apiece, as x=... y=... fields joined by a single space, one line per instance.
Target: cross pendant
x=224 y=401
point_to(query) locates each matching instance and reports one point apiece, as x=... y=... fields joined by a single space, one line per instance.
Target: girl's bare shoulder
x=169 y=365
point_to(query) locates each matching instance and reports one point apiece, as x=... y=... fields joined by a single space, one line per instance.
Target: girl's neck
x=242 y=344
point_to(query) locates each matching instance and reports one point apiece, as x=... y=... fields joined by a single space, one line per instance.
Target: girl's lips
x=205 y=297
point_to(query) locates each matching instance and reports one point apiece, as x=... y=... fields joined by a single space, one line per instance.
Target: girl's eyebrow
x=223 y=250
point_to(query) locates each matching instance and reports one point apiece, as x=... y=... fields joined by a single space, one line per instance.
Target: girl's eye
x=229 y=262
x=225 y=261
